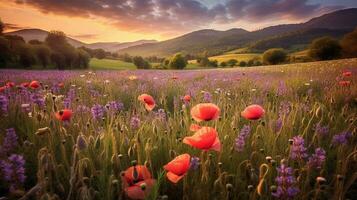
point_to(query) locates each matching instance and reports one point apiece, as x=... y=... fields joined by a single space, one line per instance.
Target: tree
x=26 y=56
x=99 y=53
x=349 y=44
x=325 y=48
x=232 y=62
x=43 y=54
x=35 y=42
x=5 y=53
x=82 y=59
x=223 y=64
x=177 y=62
x=141 y=63
x=274 y=56
x=242 y=64
x=56 y=40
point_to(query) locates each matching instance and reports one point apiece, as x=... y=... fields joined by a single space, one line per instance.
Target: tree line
x=54 y=52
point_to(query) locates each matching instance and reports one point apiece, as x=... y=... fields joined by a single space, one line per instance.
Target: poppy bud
x=115 y=182
x=143 y=186
x=291 y=141
x=220 y=164
x=261 y=150
x=320 y=180
x=340 y=177
x=134 y=163
x=164 y=197
x=268 y=159
x=229 y=187
x=273 y=188
x=120 y=156
x=250 y=187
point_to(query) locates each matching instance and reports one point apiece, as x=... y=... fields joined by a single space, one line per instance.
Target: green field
x=110 y=64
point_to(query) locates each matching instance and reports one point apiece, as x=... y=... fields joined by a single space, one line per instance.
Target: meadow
x=269 y=132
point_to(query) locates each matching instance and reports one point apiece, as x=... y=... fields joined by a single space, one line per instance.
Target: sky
x=130 y=20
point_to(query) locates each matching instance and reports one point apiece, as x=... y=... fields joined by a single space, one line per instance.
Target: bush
x=177 y=62
x=223 y=64
x=5 y=53
x=141 y=63
x=232 y=62
x=274 y=56
x=325 y=48
x=242 y=64
x=43 y=54
x=349 y=45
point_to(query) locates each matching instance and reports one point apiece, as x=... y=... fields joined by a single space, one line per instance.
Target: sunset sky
x=129 y=20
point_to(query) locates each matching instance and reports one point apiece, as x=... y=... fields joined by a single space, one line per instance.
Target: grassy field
x=108 y=135
x=98 y=64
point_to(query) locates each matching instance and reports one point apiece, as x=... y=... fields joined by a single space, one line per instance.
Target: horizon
x=90 y=24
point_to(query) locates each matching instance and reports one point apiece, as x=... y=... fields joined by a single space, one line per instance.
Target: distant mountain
x=335 y=24
x=38 y=34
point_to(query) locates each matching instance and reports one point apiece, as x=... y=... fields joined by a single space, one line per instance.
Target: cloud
x=85 y=36
x=13 y=27
x=173 y=16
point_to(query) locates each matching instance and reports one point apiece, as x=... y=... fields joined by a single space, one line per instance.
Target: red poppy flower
x=205 y=112
x=344 y=83
x=34 y=84
x=10 y=84
x=61 y=84
x=3 y=88
x=25 y=84
x=148 y=101
x=64 y=115
x=253 y=112
x=206 y=138
x=137 y=182
x=187 y=98
x=178 y=167
x=346 y=73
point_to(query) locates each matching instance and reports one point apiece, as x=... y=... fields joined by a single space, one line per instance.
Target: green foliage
x=232 y=62
x=349 y=44
x=242 y=64
x=43 y=54
x=177 y=62
x=223 y=64
x=274 y=56
x=99 y=53
x=26 y=56
x=141 y=63
x=325 y=48
x=5 y=53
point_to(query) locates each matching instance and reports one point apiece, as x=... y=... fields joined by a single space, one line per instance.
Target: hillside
x=38 y=34
x=335 y=24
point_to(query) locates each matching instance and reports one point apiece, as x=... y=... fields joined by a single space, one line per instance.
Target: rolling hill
x=335 y=24
x=38 y=34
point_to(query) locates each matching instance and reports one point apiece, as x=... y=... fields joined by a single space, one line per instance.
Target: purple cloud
x=172 y=16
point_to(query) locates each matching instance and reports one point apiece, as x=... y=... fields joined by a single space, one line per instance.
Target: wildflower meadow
x=279 y=132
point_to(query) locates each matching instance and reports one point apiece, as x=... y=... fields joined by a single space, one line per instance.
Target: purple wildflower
x=67 y=102
x=4 y=104
x=207 y=97
x=160 y=114
x=317 y=159
x=278 y=125
x=282 y=89
x=195 y=163
x=284 y=108
x=38 y=99
x=240 y=140
x=97 y=111
x=10 y=141
x=135 y=122
x=114 y=106
x=298 y=150
x=321 y=130
x=341 y=138
x=82 y=109
x=13 y=170
x=285 y=182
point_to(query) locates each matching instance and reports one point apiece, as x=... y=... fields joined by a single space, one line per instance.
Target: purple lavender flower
x=278 y=125
x=317 y=159
x=135 y=122
x=161 y=114
x=4 y=104
x=240 y=140
x=67 y=102
x=38 y=99
x=195 y=163
x=282 y=89
x=321 y=130
x=298 y=150
x=207 y=97
x=114 y=106
x=285 y=182
x=10 y=141
x=13 y=170
x=97 y=111
x=82 y=109
x=341 y=138
x=284 y=108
